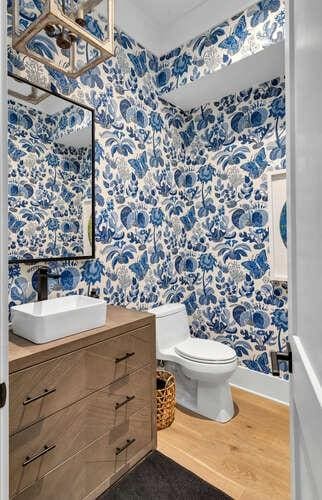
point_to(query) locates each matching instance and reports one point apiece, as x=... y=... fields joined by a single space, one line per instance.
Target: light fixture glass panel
x=27 y=13
x=44 y=46
x=94 y=17
x=80 y=55
x=84 y=54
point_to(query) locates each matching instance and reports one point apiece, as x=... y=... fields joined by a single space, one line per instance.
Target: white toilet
x=202 y=367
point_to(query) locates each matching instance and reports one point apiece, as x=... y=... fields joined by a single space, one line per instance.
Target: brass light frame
x=34 y=97
x=53 y=15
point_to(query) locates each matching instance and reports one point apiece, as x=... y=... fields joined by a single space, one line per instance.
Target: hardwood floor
x=248 y=457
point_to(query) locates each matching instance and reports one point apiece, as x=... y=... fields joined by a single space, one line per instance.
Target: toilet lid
x=205 y=351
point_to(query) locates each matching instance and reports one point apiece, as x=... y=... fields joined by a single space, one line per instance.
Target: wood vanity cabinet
x=82 y=408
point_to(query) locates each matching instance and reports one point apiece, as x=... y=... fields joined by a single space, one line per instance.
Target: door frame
x=289 y=95
x=305 y=467
x=4 y=427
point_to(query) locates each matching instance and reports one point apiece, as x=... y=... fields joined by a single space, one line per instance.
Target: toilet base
x=205 y=398
x=215 y=402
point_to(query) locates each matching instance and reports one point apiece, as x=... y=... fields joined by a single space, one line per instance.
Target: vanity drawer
x=70 y=430
x=43 y=389
x=79 y=476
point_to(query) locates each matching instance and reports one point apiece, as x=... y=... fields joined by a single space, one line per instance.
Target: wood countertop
x=23 y=353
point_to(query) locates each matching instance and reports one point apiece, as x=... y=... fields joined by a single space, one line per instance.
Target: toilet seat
x=205 y=351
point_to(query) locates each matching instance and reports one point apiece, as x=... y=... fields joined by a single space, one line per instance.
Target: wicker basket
x=166 y=399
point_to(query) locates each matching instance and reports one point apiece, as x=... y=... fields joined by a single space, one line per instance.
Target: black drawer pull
x=46 y=449
x=122 y=448
x=46 y=392
x=123 y=358
x=127 y=400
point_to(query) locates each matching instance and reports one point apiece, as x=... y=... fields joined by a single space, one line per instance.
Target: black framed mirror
x=51 y=170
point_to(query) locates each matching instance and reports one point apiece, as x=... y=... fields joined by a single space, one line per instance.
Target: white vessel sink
x=54 y=319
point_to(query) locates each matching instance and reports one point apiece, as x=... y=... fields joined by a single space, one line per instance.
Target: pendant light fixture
x=71 y=36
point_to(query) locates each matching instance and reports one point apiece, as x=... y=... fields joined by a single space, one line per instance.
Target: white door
x=3 y=255
x=304 y=82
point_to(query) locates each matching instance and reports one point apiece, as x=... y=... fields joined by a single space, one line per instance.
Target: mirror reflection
x=50 y=151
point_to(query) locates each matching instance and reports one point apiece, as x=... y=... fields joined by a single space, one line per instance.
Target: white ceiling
x=167 y=11
x=246 y=73
x=162 y=25
x=77 y=138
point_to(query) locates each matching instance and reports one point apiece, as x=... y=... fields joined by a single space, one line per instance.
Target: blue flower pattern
x=48 y=182
x=249 y=32
x=181 y=198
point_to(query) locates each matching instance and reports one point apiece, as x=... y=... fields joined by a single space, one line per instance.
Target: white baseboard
x=258 y=383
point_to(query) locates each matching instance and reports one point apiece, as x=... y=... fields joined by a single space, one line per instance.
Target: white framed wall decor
x=277 y=203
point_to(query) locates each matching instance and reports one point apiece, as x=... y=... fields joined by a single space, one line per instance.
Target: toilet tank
x=172 y=326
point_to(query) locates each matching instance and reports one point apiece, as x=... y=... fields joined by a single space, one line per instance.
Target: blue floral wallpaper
x=244 y=35
x=181 y=199
x=230 y=147
x=48 y=183
x=71 y=119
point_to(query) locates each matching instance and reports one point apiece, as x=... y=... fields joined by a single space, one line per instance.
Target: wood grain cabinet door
x=41 y=447
x=43 y=389
x=104 y=459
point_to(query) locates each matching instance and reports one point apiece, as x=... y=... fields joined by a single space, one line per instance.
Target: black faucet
x=43 y=275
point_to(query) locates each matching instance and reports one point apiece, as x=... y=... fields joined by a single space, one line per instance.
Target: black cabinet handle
x=45 y=450
x=123 y=358
x=122 y=448
x=127 y=400
x=276 y=357
x=3 y=394
x=46 y=392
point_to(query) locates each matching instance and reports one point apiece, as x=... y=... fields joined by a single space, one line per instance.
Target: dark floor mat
x=160 y=478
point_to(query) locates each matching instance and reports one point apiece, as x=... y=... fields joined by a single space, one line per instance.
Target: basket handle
x=169 y=381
